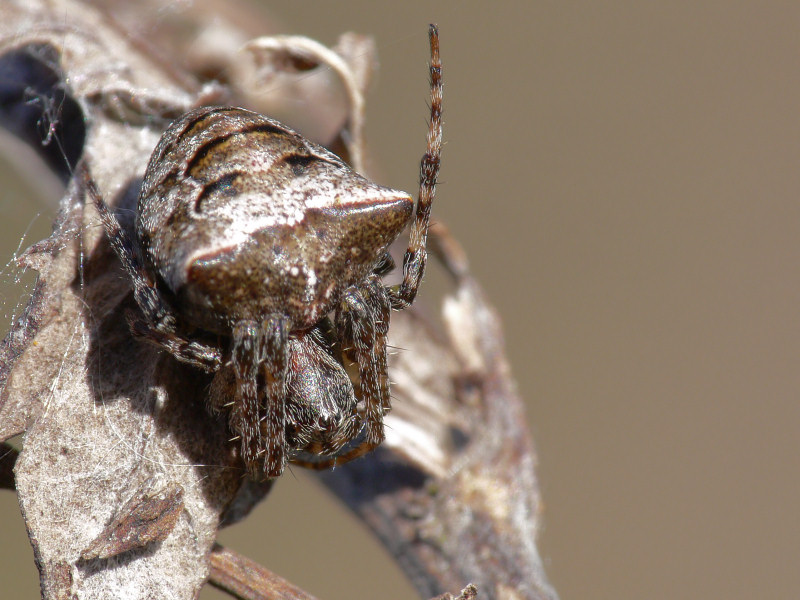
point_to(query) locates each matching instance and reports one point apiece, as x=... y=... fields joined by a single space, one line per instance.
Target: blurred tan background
x=625 y=179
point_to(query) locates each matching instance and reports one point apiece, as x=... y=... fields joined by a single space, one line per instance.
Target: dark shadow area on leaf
x=35 y=106
x=98 y=565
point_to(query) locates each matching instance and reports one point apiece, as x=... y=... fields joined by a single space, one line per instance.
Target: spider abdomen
x=242 y=217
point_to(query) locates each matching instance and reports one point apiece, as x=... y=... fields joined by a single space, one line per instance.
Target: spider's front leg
x=259 y=356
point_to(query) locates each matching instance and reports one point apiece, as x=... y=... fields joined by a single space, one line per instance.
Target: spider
x=257 y=255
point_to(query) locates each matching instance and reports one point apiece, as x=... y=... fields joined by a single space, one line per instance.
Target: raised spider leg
x=158 y=324
x=416 y=255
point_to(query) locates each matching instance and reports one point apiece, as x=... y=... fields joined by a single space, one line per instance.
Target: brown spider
x=257 y=256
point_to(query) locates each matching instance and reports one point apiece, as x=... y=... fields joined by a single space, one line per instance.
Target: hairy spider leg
x=377 y=297
x=416 y=255
x=245 y=415
x=274 y=366
x=260 y=414
x=364 y=319
x=158 y=325
x=357 y=321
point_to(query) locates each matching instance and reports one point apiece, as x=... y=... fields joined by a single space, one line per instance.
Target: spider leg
x=245 y=415
x=144 y=288
x=274 y=367
x=416 y=255
x=378 y=298
x=188 y=351
x=261 y=349
x=364 y=317
x=158 y=324
x=356 y=319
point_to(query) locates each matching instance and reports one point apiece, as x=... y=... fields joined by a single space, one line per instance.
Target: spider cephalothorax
x=258 y=255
